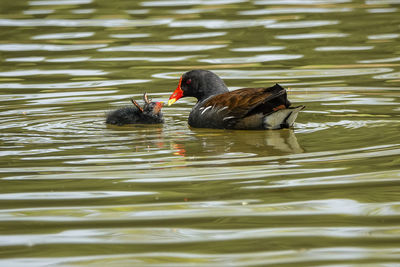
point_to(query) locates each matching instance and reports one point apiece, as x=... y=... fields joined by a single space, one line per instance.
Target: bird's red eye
x=189 y=81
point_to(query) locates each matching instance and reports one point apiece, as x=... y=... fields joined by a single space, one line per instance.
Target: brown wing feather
x=242 y=101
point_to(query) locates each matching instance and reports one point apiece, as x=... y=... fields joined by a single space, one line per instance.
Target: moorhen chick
x=150 y=113
x=247 y=108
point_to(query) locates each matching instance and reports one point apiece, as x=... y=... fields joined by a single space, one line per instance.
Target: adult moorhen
x=247 y=108
x=150 y=113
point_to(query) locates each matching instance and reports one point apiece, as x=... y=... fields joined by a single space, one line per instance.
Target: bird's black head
x=199 y=84
x=150 y=112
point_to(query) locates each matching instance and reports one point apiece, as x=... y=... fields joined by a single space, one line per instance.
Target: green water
x=76 y=192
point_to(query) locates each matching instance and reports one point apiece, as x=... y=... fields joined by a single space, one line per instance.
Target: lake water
x=76 y=192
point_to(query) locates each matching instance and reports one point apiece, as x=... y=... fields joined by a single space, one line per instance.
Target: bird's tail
x=282 y=118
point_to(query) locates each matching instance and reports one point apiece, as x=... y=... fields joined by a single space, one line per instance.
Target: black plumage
x=150 y=113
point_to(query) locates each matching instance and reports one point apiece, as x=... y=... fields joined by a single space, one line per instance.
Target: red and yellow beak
x=178 y=93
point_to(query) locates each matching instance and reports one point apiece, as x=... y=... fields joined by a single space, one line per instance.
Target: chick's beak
x=158 y=107
x=178 y=93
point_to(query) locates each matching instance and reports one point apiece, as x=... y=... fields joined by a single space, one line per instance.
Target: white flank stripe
x=205 y=110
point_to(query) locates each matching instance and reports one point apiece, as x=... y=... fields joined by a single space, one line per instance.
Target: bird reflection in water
x=262 y=143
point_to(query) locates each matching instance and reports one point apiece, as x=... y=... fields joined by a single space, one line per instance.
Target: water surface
x=77 y=192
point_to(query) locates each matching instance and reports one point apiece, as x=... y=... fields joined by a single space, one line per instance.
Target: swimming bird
x=246 y=108
x=150 y=113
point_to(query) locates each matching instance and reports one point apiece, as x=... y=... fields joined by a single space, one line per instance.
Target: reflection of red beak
x=180 y=149
x=158 y=107
x=176 y=95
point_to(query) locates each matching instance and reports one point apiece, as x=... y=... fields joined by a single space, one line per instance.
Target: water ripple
x=300 y=36
x=93 y=168
x=279 y=74
x=161 y=48
x=41 y=95
x=258 y=49
x=194 y=10
x=343 y=48
x=293 y=11
x=383 y=60
x=220 y=24
x=86 y=84
x=288 y=256
x=257 y=58
x=299 y=2
x=64 y=35
x=130 y=35
x=38 y=12
x=70 y=195
x=382 y=10
x=159 y=235
x=189 y=2
x=302 y=24
x=382 y=2
x=74 y=72
x=198 y=210
x=48 y=47
x=138 y=11
x=383 y=36
x=59 y=2
x=388 y=76
x=369 y=177
x=197 y=35
x=83 y=11
x=86 y=59
x=82 y=22
x=149 y=59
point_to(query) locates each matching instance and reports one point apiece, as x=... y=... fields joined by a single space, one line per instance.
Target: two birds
x=217 y=107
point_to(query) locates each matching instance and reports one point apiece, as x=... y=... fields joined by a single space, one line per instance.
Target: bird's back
x=240 y=109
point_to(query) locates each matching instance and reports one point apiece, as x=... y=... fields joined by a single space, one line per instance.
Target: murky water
x=75 y=191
